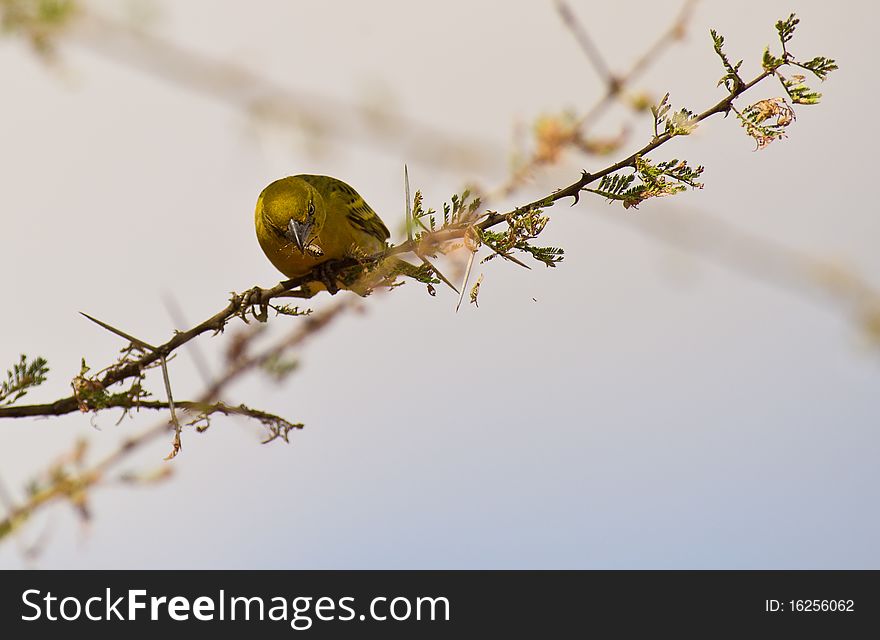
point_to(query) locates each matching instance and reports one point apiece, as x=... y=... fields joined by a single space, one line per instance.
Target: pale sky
x=652 y=407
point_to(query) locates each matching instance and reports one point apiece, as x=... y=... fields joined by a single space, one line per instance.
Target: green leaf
x=786 y=28
x=659 y=112
x=799 y=92
x=770 y=62
x=820 y=66
x=731 y=80
x=23 y=376
x=523 y=226
x=654 y=180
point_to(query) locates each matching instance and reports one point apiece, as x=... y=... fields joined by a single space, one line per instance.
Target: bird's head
x=293 y=209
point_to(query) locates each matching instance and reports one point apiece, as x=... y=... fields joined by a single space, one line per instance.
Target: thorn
x=467 y=274
x=174 y=420
x=437 y=271
x=409 y=219
x=120 y=333
x=164 y=362
x=507 y=256
x=517 y=261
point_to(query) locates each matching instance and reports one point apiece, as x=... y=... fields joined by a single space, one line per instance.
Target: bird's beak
x=298 y=233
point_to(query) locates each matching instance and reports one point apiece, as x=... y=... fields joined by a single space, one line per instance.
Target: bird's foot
x=251 y=301
x=327 y=276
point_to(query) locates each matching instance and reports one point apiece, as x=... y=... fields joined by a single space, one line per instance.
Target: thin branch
x=177 y=317
x=586 y=43
x=67 y=486
x=277 y=425
x=672 y=34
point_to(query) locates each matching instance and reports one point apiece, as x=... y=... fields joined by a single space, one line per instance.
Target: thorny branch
x=74 y=484
x=238 y=304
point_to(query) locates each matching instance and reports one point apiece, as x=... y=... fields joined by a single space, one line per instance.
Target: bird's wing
x=357 y=211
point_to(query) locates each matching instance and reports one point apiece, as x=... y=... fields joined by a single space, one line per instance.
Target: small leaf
x=23 y=376
x=475 y=291
x=786 y=28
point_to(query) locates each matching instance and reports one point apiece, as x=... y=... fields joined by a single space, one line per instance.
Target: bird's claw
x=328 y=278
x=252 y=301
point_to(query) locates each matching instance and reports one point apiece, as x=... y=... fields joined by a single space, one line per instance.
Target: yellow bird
x=304 y=221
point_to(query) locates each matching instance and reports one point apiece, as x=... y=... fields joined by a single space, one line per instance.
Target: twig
x=586 y=43
x=673 y=33
x=65 y=486
x=179 y=321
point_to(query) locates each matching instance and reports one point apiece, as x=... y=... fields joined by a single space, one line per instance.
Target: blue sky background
x=653 y=408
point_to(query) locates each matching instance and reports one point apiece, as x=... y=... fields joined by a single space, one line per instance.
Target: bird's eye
x=311 y=208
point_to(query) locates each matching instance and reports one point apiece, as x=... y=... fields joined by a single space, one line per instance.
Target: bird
x=305 y=221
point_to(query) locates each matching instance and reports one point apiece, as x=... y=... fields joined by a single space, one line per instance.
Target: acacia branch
x=73 y=486
x=239 y=304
